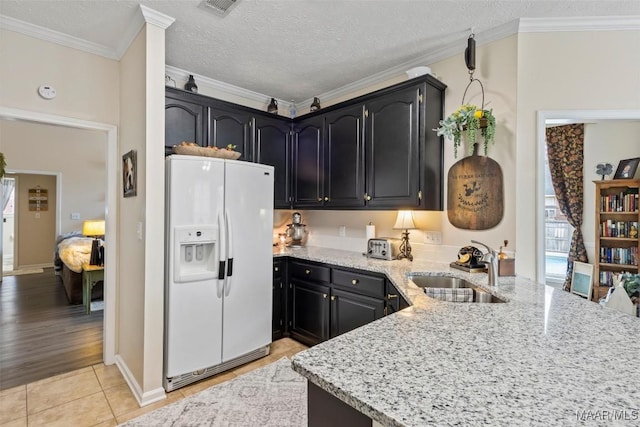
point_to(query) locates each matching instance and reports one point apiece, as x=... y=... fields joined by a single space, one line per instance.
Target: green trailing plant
x=3 y=164
x=467 y=120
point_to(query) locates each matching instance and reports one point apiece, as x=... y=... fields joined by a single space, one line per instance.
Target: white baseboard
x=143 y=398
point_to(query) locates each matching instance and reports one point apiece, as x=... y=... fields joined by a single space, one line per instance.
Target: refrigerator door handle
x=222 y=254
x=229 y=244
x=229 y=241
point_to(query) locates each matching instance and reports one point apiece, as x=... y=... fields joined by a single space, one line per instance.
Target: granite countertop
x=546 y=357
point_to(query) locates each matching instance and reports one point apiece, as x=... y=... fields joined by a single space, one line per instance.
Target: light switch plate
x=75 y=215
x=433 y=237
x=139 y=230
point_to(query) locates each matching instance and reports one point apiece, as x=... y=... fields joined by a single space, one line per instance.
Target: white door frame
x=559 y=116
x=111 y=220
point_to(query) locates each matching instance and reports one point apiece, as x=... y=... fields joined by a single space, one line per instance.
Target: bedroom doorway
x=111 y=203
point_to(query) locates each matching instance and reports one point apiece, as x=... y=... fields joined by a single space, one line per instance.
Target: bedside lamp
x=405 y=222
x=94 y=228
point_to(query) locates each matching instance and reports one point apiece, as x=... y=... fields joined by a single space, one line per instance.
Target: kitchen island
x=546 y=357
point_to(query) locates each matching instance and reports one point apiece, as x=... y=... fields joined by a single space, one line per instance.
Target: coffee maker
x=296 y=235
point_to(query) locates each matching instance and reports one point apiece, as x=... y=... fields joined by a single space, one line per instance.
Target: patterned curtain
x=565 y=148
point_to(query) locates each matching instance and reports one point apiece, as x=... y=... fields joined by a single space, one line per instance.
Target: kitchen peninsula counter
x=546 y=357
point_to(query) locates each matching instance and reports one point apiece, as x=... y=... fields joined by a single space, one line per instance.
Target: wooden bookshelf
x=617 y=242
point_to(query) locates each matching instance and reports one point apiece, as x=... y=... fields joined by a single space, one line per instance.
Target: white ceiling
x=297 y=49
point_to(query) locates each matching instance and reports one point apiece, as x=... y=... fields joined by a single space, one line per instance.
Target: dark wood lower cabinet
x=350 y=311
x=327 y=410
x=310 y=316
x=279 y=318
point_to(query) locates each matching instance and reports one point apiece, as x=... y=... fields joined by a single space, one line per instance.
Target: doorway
x=111 y=199
x=8 y=223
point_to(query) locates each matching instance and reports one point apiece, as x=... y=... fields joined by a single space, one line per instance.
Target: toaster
x=383 y=248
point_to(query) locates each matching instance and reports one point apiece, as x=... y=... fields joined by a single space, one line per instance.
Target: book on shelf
x=624 y=256
x=625 y=201
x=611 y=228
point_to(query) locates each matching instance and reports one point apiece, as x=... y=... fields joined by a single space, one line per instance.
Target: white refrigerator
x=218 y=261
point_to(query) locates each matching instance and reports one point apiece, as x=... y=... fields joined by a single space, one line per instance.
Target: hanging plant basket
x=467 y=120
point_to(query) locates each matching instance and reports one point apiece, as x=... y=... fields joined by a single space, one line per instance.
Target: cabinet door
x=310 y=317
x=344 y=158
x=273 y=147
x=184 y=121
x=350 y=311
x=231 y=127
x=308 y=163
x=391 y=147
x=278 y=322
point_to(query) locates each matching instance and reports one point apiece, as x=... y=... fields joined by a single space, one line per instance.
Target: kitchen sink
x=449 y=282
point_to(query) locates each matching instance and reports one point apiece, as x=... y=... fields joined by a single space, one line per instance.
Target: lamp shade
x=93 y=227
x=404 y=221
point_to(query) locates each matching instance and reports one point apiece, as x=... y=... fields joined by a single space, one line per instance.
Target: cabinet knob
x=392 y=296
x=333 y=297
x=326 y=199
x=319 y=199
x=307 y=272
x=276 y=269
x=367 y=197
x=324 y=295
x=354 y=282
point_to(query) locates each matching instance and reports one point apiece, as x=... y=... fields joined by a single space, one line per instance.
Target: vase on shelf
x=191 y=85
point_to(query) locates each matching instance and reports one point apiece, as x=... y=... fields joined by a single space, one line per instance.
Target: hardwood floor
x=41 y=334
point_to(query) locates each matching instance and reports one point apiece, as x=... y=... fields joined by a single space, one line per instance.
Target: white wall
x=565 y=71
x=78 y=155
x=141 y=276
x=86 y=84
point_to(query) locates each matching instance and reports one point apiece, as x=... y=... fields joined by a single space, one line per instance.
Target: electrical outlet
x=433 y=237
x=75 y=215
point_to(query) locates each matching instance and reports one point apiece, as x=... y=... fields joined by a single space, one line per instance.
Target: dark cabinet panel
x=310 y=317
x=344 y=158
x=184 y=121
x=392 y=149
x=231 y=127
x=350 y=311
x=279 y=302
x=273 y=147
x=308 y=163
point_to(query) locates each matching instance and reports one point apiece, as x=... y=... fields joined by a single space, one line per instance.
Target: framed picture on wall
x=627 y=168
x=129 y=174
x=582 y=279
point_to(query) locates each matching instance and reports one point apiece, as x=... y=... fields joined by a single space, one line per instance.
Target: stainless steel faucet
x=491 y=260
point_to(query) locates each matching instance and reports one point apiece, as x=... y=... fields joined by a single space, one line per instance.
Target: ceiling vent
x=219 y=7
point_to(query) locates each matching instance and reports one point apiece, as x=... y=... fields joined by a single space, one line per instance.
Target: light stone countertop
x=546 y=357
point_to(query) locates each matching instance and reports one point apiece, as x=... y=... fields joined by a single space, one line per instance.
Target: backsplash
x=324 y=229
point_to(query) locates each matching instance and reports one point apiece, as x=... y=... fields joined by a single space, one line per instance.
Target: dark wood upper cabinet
x=308 y=162
x=344 y=158
x=273 y=147
x=184 y=121
x=231 y=127
x=377 y=151
x=392 y=150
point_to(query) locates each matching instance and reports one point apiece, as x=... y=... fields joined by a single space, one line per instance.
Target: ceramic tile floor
x=98 y=395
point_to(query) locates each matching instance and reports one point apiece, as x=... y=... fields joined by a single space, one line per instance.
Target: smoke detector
x=219 y=7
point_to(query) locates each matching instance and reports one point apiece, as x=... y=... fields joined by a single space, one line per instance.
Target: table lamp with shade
x=94 y=228
x=404 y=221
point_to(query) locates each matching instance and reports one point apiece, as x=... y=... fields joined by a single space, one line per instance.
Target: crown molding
x=183 y=75
x=146 y=16
x=590 y=23
x=156 y=18
x=57 y=37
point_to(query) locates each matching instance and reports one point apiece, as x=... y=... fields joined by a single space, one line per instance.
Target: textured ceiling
x=296 y=49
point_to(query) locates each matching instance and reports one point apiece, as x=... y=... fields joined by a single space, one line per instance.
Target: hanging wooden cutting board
x=475 y=193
